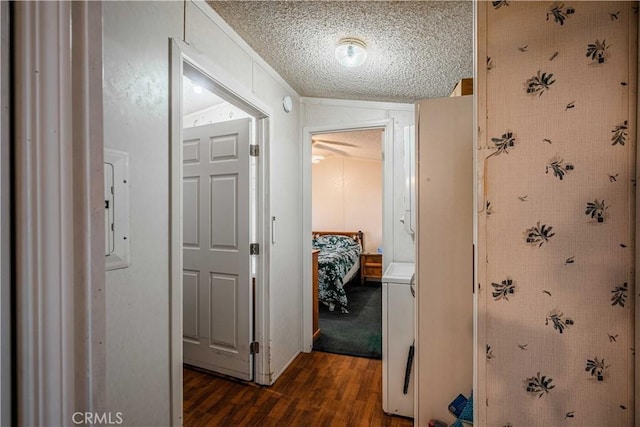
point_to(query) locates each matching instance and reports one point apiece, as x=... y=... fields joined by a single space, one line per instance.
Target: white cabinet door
x=444 y=259
x=216 y=276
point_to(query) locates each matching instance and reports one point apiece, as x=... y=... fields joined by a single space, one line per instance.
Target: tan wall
x=553 y=299
x=347 y=195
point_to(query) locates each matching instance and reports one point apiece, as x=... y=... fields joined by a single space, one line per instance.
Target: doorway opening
x=347 y=187
x=332 y=148
x=218 y=226
x=219 y=238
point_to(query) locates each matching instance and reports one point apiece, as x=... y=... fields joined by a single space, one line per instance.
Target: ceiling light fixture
x=197 y=89
x=351 y=52
x=316 y=159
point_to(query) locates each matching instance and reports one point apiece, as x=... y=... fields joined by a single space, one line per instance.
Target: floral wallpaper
x=557 y=155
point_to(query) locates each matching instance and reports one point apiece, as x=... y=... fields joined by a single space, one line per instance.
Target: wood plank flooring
x=318 y=389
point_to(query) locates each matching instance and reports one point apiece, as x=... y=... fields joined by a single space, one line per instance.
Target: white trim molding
x=175 y=233
x=479 y=220
x=377 y=105
x=235 y=93
x=59 y=256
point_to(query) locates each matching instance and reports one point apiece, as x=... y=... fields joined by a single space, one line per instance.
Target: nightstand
x=370 y=267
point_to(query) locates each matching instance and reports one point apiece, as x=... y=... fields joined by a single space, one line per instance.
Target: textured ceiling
x=416 y=49
x=363 y=144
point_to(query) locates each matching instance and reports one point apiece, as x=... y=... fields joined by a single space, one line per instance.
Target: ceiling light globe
x=351 y=53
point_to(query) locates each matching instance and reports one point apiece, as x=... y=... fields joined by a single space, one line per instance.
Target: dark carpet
x=359 y=332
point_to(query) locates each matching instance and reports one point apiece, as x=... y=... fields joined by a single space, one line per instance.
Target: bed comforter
x=338 y=254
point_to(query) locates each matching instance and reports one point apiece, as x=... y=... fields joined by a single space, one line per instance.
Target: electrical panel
x=116 y=209
x=108 y=209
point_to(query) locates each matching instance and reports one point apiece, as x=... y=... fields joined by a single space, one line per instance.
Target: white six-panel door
x=216 y=276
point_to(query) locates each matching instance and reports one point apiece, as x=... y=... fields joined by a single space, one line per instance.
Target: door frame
x=387 y=209
x=6 y=293
x=234 y=92
x=58 y=253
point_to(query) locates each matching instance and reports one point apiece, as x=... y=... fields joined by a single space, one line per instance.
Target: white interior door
x=216 y=277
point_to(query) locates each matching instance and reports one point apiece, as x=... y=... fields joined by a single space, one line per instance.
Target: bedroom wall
x=340 y=114
x=347 y=195
x=136 y=120
x=557 y=118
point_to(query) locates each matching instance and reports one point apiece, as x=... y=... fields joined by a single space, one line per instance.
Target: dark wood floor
x=318 y=389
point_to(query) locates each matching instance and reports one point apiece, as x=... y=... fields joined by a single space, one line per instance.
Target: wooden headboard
x=358 y=236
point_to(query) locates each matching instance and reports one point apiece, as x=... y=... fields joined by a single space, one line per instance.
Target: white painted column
x=59 y=234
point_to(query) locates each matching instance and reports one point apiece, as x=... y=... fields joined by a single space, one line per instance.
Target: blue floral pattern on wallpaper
x=558 y=200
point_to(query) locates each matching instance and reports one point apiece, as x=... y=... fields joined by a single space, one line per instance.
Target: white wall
x=136 y=120
x=347 y=196
x=136 y=114
x=342 y=114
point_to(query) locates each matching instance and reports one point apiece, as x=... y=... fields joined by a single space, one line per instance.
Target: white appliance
x=397 y=338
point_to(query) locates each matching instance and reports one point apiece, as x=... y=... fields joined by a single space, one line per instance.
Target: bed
x=336 y=261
